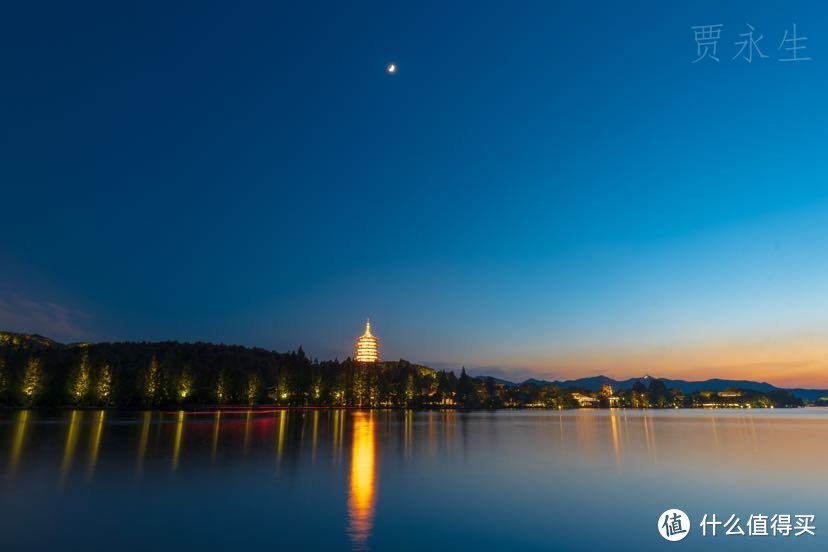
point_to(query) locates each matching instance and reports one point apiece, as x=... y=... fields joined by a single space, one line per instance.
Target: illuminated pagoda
x=367 y=346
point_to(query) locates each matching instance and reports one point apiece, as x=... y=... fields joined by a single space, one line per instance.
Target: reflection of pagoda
x=367 y=346
x=362 y=495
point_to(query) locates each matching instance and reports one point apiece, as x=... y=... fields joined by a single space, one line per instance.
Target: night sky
x=540 y=189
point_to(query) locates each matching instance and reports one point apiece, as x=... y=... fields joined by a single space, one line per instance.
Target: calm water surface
x=353 y=480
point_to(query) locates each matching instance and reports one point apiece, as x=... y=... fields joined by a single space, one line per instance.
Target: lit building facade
x=367 y=346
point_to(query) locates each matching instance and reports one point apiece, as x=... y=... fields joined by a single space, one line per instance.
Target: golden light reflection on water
x=616 y=447
x=315 y=434
x=522 y=460
x=714 y=432
x=754 y=435
x=71 y=441
x=179 y=432
x=216 y=429
x=408 y=428
x=95 y=444
x=17 y=443
x=142 y=443
x=561 y=426
x=280 y=440
x=449 y=421
x=247 y=419
x=721 y=445
x=649 y=436
x=363 y=480
x=340 y=452
x=584 y=428
x=432 y=434
x=336 y=434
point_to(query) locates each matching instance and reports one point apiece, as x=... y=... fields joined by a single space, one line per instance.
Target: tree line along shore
x=38 y=372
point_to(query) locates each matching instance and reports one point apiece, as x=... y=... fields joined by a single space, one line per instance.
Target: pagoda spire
x=367 y=346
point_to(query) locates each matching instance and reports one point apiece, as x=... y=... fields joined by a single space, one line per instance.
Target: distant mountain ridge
x=594 y=383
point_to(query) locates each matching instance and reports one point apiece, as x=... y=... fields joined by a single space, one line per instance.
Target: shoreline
x=230 y=409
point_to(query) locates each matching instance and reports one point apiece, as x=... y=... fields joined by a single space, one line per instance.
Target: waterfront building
x=584 y=400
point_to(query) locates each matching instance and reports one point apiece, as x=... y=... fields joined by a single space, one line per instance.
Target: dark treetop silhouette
x=37 y=371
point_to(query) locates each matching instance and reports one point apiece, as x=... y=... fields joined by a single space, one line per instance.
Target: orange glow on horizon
x=800 y=361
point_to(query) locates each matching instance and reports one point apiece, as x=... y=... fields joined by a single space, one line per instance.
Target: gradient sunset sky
x=541 y=189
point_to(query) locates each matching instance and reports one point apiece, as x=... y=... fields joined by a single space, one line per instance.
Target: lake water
x=388 y=480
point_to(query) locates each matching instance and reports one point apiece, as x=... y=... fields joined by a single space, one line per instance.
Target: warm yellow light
x=71 y=441
x=142 y=446
x=95 y=445
x=367 y=346
x=363 y=479
x=179 y=431
x=104 y=380
x=216 y=425
x=17 y=443
x=81 y=381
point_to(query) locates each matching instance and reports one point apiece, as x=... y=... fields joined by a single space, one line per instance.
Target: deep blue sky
x=548 y=188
